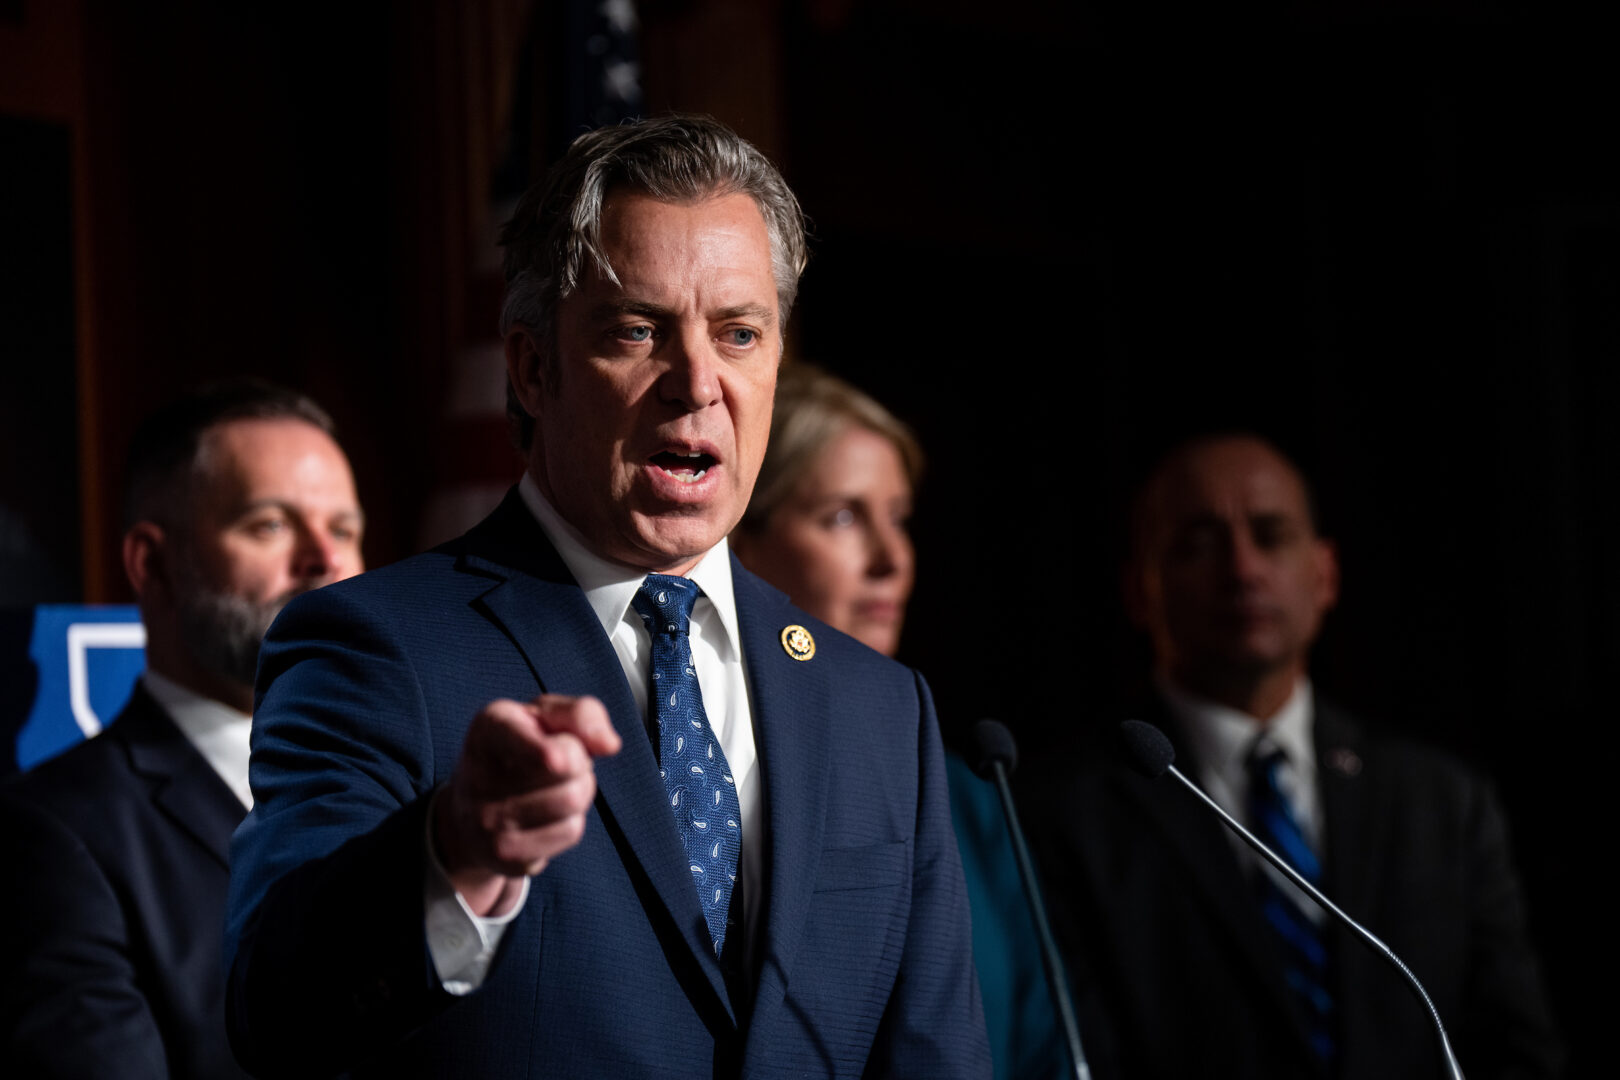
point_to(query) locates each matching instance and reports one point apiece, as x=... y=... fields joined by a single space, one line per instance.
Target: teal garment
x=1025 y=1040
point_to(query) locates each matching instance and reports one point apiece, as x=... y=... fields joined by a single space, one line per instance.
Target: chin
x=673 y=540
x=672 y=558
x=884 y=641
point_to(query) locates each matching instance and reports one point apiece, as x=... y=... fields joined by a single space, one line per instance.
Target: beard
x=222 y=631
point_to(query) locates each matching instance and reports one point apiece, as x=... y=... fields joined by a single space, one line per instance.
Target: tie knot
x=1266 y=760
x=664 y=603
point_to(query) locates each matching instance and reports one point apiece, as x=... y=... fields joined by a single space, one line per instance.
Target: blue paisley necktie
x=702 y=791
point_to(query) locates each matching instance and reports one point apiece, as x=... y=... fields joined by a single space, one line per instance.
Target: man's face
x=650 y=438
x=1231 y=578
x=275 y=515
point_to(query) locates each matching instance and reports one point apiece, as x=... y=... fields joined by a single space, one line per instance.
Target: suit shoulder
x=71 y=796
x=401 y=579
x=411 y=589
x=857 y=663
x=1397 y=763
x=758 y=600
x=79 y=783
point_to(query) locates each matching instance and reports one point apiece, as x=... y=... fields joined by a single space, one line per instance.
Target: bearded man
x=239 y=499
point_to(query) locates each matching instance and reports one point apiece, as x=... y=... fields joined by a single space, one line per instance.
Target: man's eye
x=842 y=518
x=636 y=334
x=1270 y=535
x=1198 y=542
x=742 y=335
x=266 y=527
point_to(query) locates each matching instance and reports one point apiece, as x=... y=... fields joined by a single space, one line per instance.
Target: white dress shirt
x=219 y=732
x=461 y=943
x=1223 y=739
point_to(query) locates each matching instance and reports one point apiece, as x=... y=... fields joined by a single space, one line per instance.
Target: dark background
x=1054 y=238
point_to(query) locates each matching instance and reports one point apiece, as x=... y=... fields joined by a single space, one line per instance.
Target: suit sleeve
x=934 y=1024
x=70 y=1004
x=1509 y=1027
x=324 y=933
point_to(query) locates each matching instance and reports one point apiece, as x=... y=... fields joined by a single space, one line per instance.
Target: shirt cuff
x=461 y=943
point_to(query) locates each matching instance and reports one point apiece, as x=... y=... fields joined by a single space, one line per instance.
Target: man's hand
x=519 y=794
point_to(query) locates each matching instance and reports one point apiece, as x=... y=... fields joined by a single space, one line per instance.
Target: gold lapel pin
x=797 y=642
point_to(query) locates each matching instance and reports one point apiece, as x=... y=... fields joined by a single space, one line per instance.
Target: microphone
x=997 y=757
x=1150 y=751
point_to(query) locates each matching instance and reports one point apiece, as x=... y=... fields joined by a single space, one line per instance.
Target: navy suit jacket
x=367 y=688
x=115 y=856
x=1177 y=974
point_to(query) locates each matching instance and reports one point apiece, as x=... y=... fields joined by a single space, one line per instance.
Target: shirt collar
x=219 y=732
x=609 y=586
x=1222 y=737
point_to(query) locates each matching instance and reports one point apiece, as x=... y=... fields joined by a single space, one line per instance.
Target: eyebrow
x=758 y=312
x=609 y=309
x=355 y=514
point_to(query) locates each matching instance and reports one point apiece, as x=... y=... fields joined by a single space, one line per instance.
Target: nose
x=889 y=550
x=692 y=377
x=318 y=556
x=1245 y=559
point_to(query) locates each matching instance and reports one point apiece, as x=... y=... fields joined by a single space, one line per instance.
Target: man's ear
x=146 y=560
x=1326 y=555
x=527 y=370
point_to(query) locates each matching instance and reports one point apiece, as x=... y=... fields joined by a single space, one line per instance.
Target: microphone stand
x=1056 y=981
x=1452 y=1068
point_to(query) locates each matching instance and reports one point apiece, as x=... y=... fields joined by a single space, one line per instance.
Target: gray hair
x=558 y=223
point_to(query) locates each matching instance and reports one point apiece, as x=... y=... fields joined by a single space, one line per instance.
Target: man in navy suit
x=1187 y=956
x=472 y=851
x=116 y=851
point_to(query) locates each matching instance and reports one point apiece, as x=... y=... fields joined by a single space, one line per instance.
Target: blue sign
x=87 y=659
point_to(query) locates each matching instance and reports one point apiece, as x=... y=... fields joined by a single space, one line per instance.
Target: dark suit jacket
x=367 y=689
x=115 y=856
x=1178 y=976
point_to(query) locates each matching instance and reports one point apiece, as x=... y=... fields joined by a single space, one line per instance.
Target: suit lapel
x=1351 y=867
x=184 y=787
x=544 y=611
x=1203 y=845
x=1354 y=817
x=790 y=698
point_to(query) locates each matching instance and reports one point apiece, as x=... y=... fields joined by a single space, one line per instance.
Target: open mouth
x=687 y=468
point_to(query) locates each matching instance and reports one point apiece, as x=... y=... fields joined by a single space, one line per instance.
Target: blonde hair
x=812 y=409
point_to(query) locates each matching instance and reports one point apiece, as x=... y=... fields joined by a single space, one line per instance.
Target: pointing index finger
x=584 y=717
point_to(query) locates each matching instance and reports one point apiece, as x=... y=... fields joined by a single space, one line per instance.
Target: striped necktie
x=701 y=789
x=1301 y=940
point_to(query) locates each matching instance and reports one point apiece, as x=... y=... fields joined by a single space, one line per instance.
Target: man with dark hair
x=575 y=794
x=116 y=852
x=1192 y=957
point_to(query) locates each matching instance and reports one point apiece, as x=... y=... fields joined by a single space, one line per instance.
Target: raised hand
x=519 y=793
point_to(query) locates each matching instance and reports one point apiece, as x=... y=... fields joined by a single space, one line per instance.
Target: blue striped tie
x=1303 y=948
x=701 y=789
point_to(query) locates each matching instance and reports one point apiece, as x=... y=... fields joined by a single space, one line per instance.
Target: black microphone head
x=992 y=742
x=1148 y=747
